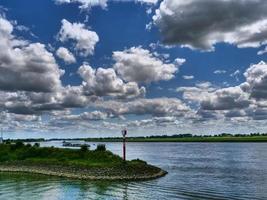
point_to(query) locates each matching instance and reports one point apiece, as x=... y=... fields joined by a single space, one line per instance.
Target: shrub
x=36 y=144
x=139 y=161
x=8 y=141
x=101 y=147
x=84 y=148
x=28 y=145
x=19 y=144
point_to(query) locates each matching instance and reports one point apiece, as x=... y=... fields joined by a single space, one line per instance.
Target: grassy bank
x=73 y=163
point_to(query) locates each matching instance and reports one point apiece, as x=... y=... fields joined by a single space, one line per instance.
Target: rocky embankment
x=122 y=172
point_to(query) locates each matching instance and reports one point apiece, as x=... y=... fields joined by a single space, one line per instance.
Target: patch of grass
x=101 y=147
x=34 y=154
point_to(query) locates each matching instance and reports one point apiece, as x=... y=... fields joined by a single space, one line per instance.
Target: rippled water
x=196 y=171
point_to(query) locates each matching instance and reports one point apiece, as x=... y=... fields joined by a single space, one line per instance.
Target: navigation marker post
x=1 y=138
x=124 y=133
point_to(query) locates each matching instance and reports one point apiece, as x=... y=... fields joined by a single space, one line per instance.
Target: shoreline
x=249 y=139
x=185 y=141
x=82 y=175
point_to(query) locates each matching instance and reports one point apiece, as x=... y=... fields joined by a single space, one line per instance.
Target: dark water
x=196 y=171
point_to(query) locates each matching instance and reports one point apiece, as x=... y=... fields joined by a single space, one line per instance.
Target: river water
x=196 y=171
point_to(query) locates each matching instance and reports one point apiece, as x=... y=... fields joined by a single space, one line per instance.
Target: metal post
x=124 y=133
x=124 y=148
x=1 y=138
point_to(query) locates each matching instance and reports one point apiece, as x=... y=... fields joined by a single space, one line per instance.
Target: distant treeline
x=152 y=137
x=187 y=135
x=25 y=140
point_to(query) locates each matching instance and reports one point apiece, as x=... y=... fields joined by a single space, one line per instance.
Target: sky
x=89 y=68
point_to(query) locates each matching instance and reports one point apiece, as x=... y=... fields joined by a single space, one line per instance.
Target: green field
x=46 y=155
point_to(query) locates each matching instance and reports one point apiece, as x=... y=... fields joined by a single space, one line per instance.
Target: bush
x=7 y=142
x=28 y=145
x=36 y=144
x=139 y=161
x=84 y=148
x=101 y=147
x=19 y=144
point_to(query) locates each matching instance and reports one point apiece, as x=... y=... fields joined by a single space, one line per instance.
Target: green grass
x=57 y=156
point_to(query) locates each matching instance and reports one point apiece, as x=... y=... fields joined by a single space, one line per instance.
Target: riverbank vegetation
x=75 y=163
x=224 y=137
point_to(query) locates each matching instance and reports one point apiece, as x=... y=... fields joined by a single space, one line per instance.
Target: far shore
x=195 y=139
x=225 y=137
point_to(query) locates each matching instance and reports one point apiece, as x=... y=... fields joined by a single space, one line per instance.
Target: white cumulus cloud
x=261 y=52
x=65 y=55
x=188 y=77
x=85 y=4
x=202 y=24
x=26 y=66
x=105 y=82
x=141 y=66
x=84 y=39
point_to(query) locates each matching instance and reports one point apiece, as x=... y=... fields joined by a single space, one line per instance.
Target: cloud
x=15 y=122
x=85 y=4
x=202 y=24
x=235 y=113
x=244 y=102
x=84 y=39
x=152 y=122
x=155 y=107
x=226 y=99
x=219 y=72
x=39 y=103
x=259 y=114
x=179 y=61
x=196 y=93
x=30 y=87
x=148 y=1
x=6 y=27
x=264 y=51
x=256 y=80
x=85 y=116
x=105 y=82
x=139 y=65
x=65 y=55
x=26 y=66
x=236 y=74
x=5 y=117
x=25 y=118
x=88 y=4
x=188 y=77
x=206 y=115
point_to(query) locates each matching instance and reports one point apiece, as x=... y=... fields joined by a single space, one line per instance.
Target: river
x=196 y=171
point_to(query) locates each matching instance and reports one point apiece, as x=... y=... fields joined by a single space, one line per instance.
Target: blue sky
x=87 y=68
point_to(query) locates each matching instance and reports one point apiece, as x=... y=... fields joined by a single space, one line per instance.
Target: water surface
x=196 y=171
